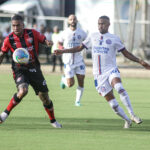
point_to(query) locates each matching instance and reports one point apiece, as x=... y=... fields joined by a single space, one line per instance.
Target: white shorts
x=71 y=70
x=103 y=82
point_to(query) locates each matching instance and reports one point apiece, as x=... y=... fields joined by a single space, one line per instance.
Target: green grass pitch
x=93 y=126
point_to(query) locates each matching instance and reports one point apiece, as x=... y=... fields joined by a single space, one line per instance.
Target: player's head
x=55 y=29
x=103 y=24
x=17 y=24
x=72 y=21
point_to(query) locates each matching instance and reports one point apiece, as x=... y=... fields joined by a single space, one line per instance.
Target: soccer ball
x=21 y=56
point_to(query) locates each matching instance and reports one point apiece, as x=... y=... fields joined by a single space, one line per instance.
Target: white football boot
x=3 y=117
x=127 y=124
x=56 y=125
x=136 y=119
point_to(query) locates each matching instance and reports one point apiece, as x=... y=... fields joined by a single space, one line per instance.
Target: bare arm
x=48 y=43
x=130 y=56
x=71 y=50
x=1 y=56
x=60 y=45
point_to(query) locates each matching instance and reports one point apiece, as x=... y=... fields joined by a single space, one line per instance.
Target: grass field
x=93 y=126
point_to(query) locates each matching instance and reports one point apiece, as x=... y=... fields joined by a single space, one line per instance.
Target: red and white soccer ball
x=21 y=56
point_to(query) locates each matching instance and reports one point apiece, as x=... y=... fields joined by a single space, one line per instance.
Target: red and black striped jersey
x=30 y=40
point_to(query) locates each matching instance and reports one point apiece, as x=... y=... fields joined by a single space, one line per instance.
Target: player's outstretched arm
x=71 y=50
x=130 y=56
x=1 y=56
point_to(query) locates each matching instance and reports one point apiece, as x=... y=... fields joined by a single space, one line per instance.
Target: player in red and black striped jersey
x=27 y=74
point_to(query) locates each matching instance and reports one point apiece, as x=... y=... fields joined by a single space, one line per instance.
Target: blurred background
x=130 y=20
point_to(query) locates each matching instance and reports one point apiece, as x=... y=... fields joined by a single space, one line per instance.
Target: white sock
x=64 y=80
x=126 y=101
x=79 y=92
x=117 y=109
x=124 y=97
x=3 y=116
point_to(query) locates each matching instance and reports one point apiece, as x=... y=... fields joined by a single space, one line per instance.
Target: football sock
x=126 y=101
x=13 y=102
x=117 y=109
x=50 y=111
x=64 y=80
x=79 y=92
x=124 y=97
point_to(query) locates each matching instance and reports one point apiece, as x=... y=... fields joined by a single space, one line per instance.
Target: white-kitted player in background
x=73 y=63
x=106 y=74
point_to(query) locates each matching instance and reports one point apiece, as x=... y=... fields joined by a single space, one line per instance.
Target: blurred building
x=133 y=26
x=129 y=18
x=88 y=12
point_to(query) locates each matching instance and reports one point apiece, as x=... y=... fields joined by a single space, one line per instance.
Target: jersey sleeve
x=119 y=45
x=84 y=35
x=6 y=45
x=41 y=38
x=87 y=43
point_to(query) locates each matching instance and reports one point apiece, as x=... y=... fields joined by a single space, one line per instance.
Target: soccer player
x=29 y=74
x=106 y=74
x=73 y=63
x=55 y=38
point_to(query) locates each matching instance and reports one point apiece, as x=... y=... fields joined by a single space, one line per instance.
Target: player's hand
x=144 y=64
x=48 y=43
x=58 y=52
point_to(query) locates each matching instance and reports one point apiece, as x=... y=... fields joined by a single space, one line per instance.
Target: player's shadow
x=87 y=124
x=102 y=124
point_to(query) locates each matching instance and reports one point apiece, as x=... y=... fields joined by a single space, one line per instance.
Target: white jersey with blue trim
x=104 y=48
x=72 y=39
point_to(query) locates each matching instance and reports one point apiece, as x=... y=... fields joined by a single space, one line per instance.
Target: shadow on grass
x=86 y=124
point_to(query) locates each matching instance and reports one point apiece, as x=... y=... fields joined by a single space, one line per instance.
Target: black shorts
x=32 y=76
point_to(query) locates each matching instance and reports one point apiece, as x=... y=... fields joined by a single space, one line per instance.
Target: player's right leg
x=22 y=91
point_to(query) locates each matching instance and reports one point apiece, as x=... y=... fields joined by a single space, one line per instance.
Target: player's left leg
x=116 y=83
x=48 y=105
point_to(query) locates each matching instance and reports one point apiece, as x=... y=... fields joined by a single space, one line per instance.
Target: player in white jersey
x=106 y=74
x=73 y=63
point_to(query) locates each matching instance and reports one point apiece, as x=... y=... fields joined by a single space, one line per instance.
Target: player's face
x=72 y=21
x=103 y=25
x=17 y=27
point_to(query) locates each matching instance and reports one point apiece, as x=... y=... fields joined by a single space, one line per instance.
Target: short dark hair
x=17 y=17
x=104 y=17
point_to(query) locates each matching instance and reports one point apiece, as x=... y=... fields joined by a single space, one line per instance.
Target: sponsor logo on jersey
x=108 y=41
x=73 y=44
x=102 y=50
x=30 y=40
